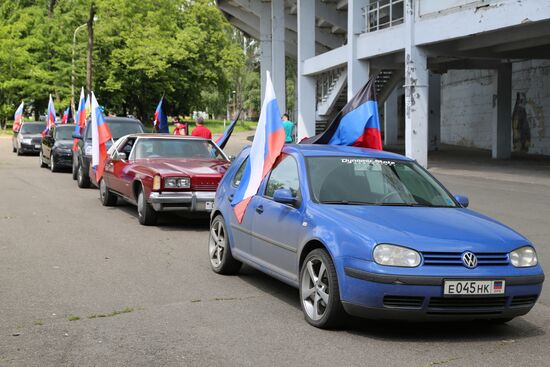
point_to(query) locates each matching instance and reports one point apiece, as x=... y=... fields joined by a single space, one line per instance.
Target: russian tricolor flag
x=66 y=116
x=100 y=135
x=266 y=147
x=18 y=117
x=50 y=118
x=357 y=124
x=222 y=140
x=80 y=120
x=161 y=121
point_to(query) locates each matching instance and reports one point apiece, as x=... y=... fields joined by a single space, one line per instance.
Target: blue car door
x=276 y=227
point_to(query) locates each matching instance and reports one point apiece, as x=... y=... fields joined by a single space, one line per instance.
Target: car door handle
x=230 y=198
x=260 y=209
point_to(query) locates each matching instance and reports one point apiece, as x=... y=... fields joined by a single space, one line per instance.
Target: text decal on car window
x=367 y=161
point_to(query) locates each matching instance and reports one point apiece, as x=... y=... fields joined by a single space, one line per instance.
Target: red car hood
x=187 y=166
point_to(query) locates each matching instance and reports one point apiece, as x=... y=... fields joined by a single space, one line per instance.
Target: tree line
x=182 y=49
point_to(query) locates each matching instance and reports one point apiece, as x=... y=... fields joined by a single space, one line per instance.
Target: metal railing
x=380 y=14
x=326 y=82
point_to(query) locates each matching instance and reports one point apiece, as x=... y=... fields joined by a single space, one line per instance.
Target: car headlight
x=524 y=257
x=392 y=255
x=88 y=150
x=177 y=183
x=26 y=141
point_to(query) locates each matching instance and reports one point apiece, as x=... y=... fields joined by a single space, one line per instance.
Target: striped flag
x=266 y=147
x=357 y=124
x=161 y=121
x=80 y=120
x=100 y=135
x=222 y=140
x=66 y=116
x=50 y=118
x=18 y=117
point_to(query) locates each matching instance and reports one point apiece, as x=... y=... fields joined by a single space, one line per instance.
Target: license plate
x=473 y=287
x=37 y=146
x=209 y=205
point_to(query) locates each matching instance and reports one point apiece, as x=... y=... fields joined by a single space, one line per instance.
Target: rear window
x=32 y=128
x=119 y=129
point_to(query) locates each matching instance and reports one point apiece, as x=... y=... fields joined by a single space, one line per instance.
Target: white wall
x=467 y=106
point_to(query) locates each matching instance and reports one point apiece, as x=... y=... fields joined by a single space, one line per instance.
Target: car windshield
x=119 y=129
x=370 y=181
x=64 y=132
x=176 y=148
x=32 y=128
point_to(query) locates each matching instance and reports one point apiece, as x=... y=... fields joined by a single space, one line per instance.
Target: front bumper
x=30 y=148
x=192 y=201
x=420 y=297
x=63 y=158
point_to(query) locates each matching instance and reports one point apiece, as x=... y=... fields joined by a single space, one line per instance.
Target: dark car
x=28 y=138
x=119 y=126
x=57 y=147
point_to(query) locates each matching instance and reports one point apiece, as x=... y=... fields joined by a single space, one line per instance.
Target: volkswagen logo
x=469 y=259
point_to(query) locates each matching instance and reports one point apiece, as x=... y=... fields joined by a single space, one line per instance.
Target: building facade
x=463 y=72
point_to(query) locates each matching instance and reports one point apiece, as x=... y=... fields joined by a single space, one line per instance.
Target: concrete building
x=463 y=72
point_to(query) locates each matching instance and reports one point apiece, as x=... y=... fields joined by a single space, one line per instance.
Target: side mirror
x=77 y=136
x=284 y=196
x=462 y=200
x=232 y=158
x=118 y=156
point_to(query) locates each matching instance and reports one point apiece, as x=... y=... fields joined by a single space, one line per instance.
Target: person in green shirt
x=289 y=129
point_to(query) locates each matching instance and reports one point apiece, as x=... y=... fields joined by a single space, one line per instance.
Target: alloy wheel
x=315 y=290
x=217 y=243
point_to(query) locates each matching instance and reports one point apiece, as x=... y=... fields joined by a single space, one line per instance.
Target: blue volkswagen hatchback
x=373 y=234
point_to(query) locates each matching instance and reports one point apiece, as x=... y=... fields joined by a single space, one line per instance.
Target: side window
x=284 y=176
x=126 y=147
x=239 y=174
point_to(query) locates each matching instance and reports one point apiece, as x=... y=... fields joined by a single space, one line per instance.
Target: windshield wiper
x=345 y=202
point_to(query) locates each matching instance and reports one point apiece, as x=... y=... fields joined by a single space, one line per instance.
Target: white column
x=358 y=71
x=391 y=119
x=502 y=124
x=306 y=84
x=434 y=117
x=278 y=52
x=416 y=93
x=265 y=44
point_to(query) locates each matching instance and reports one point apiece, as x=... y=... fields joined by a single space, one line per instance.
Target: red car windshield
x=176 y=148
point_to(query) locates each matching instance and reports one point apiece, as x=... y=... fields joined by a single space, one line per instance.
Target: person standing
x=289 y=129
x=201 y=130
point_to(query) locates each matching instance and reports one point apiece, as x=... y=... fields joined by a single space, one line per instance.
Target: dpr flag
x=100 y=135
x=80 y=120
x=161 y=121
x=222 y=140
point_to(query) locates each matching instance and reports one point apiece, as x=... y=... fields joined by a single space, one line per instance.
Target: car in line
x=28 y=138
x=82 y=158
x=159 y=172
x=373 y=234
x=56 y=148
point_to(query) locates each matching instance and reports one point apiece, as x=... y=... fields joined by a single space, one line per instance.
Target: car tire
x=41 y=160
x=106 y=196
x=219 y=250
x=147 y=216
x=319 y=291
x=82 y=178
x=75 y=168
x=53 y=166
x=18 y=151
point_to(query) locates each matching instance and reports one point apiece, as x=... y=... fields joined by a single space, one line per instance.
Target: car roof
x=33 y=123
x=317 y=150
x=120 y=119
x=166 y=136
x=62 y=125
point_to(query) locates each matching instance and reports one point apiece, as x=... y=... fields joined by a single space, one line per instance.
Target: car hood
x=427 y=228
x=190 y=167
x=31 y=136
x=64 y=143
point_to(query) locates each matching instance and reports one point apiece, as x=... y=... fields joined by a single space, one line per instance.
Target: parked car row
x=358 y=232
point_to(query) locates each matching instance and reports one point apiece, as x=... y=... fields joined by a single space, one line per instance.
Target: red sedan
x=160 y=172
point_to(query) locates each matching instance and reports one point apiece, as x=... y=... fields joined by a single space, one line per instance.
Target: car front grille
x=464 y=305
x=403 y=301
x=36 y=140
x=204 y=187
x=523 y=301
x=455 y=258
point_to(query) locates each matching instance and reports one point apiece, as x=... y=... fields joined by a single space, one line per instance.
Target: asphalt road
x=65 y=257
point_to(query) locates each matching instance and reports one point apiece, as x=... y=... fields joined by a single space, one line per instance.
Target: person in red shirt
x=201 y=130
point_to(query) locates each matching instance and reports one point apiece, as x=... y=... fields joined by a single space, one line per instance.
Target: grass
x=38 y=322
x=114 y=313
x=73 y=318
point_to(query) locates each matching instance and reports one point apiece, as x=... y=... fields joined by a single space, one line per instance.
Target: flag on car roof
x=222 y=140
x=266 y=147
x=357 y=124
x=66 y=116
x=50 y=118
x=161 y=121
x=18 y=117
x=80 y=120
x=100 y=135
